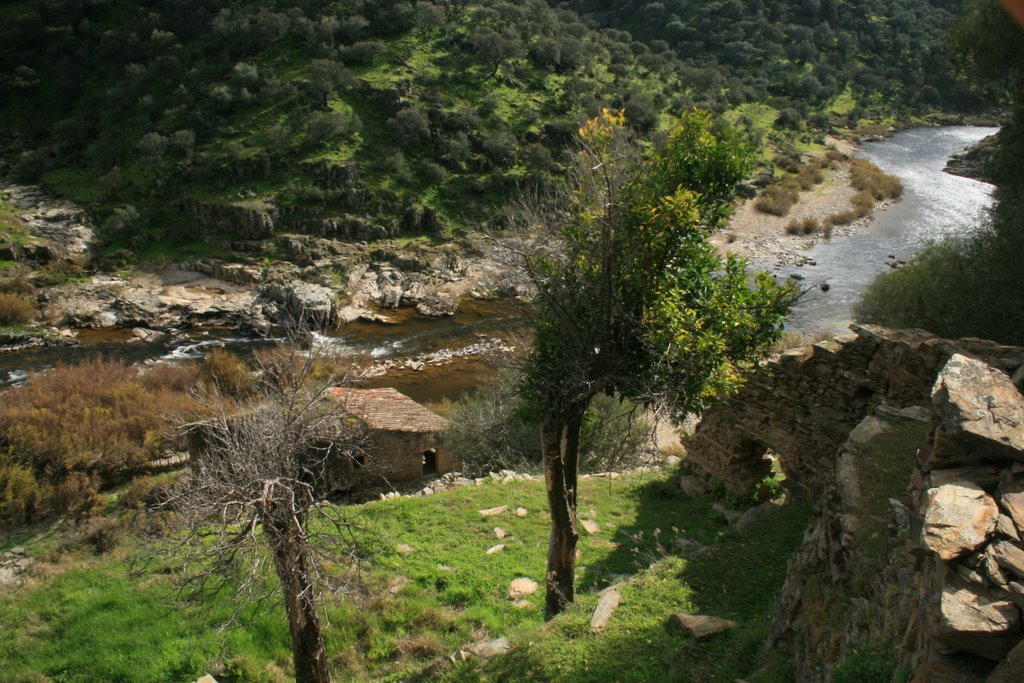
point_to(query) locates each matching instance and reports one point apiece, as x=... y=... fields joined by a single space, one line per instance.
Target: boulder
x=521 y=512
x=958 y=518
x=1012 y=500
x=590 y=526
x=500 y=533
x=981 y=407
x=971 y=619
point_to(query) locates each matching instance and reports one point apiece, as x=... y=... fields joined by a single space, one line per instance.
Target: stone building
x=407 y=440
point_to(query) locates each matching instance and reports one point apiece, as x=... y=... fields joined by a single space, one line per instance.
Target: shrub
x=227 y=372
x=22 y=497
x=77 y=494
x=776 y=200
x=865 y=176
x=17 y=309
x=98 y=418
x=102 y=533
x=488 y=432
x=806 y=226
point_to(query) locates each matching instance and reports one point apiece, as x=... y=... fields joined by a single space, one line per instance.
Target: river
x=934 y=204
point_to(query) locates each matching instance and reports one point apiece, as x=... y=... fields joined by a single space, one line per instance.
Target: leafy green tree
x=632 y=300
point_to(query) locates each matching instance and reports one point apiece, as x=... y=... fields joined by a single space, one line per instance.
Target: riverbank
x=763 y=238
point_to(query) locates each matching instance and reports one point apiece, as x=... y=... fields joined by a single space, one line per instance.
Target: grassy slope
x=100 y=619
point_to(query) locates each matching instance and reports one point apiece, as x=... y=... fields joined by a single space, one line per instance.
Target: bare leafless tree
x=255 y=495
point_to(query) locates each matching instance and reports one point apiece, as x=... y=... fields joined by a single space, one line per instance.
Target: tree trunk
x=560 y=436
x=291 y=559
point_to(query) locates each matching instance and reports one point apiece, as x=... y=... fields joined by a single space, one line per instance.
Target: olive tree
x=255 y=496
x=632 y=300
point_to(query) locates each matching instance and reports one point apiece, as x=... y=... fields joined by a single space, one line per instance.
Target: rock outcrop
x=803 y=405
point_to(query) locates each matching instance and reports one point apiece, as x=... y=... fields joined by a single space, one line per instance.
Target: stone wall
x=932 y=576
x=803 y=404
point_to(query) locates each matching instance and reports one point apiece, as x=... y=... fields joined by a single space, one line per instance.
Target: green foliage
x=871 y=666
x=489 y=431
x=641 y=303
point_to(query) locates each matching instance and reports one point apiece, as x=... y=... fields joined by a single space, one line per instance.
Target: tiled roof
x=388 y=410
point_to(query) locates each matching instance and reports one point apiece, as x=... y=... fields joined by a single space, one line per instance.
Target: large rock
x=491 y=648
x=1009 y=556
x=958 y=518
x=981 y=407
x=971 y=619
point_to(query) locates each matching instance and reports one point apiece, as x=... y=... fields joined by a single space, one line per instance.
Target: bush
x=22 y=497
x=488 y=432
x=865 y=176
x=957 y=288
x=805 y=226
x=227 y=372
x=776 y=199
x=17 y=309
x=98 y=418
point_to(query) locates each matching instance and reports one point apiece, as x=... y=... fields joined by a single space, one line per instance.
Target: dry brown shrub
x=776 y=200
x=97 y=417
x=22 y=496
x=17 y=309
x=227 y=372
x=423 y=646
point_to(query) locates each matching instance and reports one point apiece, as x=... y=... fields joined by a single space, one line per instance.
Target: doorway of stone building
x=429 y=462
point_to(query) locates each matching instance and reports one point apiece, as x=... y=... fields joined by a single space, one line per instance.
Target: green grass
x=12 y=228
x=98 y=619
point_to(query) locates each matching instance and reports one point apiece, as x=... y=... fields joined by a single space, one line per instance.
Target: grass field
x=90 y=617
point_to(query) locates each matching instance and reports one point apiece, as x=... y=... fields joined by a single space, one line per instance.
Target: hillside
x=193 y=128
x=231 y=121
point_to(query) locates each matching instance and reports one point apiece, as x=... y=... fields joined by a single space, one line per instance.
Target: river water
x=934 y=204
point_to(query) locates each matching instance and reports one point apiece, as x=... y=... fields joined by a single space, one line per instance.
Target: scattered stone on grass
x=700 y=625
x=491 y=648
x=590 y=526
x=520 y=587
x=491 y=512
x=520 y=512
x=610 y=599
x=405 y=548
x=501 y=533
x=495 y=549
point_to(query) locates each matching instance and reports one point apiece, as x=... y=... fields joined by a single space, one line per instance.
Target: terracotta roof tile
x=388 y=410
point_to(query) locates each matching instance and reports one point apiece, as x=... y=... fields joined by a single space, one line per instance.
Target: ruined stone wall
x=803 y=405
x=933 y=576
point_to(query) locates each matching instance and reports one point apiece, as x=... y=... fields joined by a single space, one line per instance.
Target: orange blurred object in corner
x=1015 y=9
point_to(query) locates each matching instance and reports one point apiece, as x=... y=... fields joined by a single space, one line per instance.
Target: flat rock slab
x=1009 y=557
x=958 y=519
x=501 y=533
x=590 y=526
x=610 y=599
x=520 y=587
x=700 y=625
x=491 y=648
x=495 y=549
x=973 y=620
x=405 y=548
x=981 y=404
x=1012 y=500
x=491 y=512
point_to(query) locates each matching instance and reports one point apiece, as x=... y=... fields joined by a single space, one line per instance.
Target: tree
x=632 y=300
x=258 y=479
